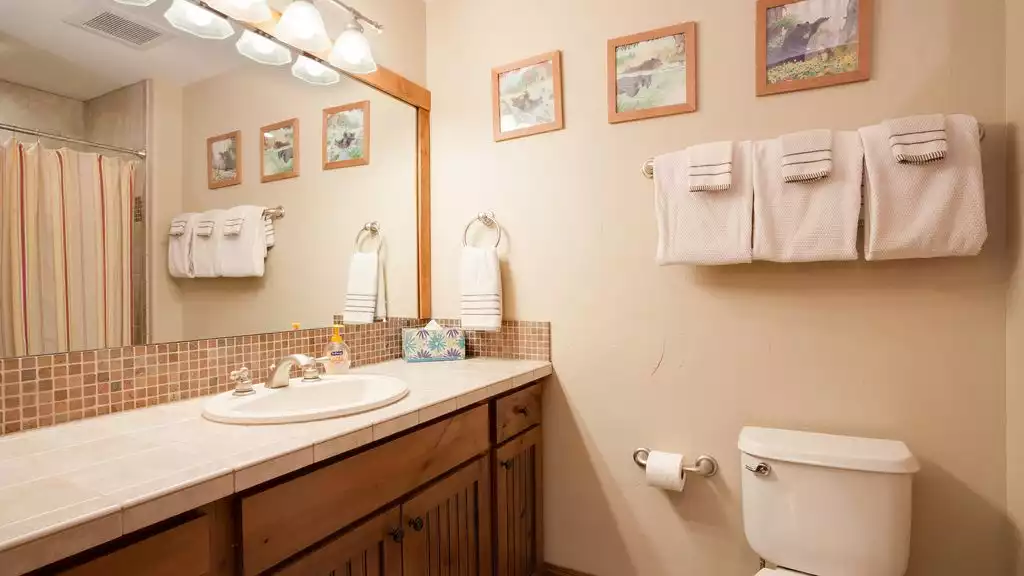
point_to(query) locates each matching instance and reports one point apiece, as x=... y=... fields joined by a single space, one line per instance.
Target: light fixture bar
x=359 y=16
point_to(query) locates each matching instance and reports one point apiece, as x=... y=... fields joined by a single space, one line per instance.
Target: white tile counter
x=74 y=486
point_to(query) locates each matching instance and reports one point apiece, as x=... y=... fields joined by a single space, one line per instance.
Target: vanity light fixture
x=252 y=11
x=135 y=2
x=261 y=49
x=198 y=21
x=302 y=26
x=309 y=70
x=352 y=51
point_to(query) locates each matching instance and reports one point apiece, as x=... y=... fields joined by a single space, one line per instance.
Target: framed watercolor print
x=347 y=135
x=653 y=73
x=224 y=160
x=279 y=153
x=527 y=97
x=804 y=44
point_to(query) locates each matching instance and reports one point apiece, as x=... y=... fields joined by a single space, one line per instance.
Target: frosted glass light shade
x=198 y=21
x=311 y=71
x=352 y=51
x=135 y=2
x=302 y=26
x=262 y=50
x=254 y=11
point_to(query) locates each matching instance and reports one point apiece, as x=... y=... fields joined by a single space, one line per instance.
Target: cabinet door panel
x=519 y=519
x=372 y=548
x=448 y=526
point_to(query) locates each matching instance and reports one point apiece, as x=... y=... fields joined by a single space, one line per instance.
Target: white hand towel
x=710 y=166
x=481 y=289
x=812 y=220
x=243 y=253
x=206 y=244
x=924 y=210
x=179 y=245
x=918 y=139
x=363 y=284
x=705 y=228
x=806 y=156
x=268 y=225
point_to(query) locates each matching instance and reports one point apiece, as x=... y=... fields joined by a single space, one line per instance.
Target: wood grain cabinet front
x=180 y=551
x=517 y=412
x=519 y=506
x=372 y=548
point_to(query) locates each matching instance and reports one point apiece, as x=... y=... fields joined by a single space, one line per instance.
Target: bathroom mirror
x=155 y=122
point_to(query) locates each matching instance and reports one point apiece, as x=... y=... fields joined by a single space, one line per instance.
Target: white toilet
x=826 y=505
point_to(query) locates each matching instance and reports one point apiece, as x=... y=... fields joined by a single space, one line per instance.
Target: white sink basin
x=331 y=397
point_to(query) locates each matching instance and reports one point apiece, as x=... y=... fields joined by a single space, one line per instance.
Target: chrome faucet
x=279 y=371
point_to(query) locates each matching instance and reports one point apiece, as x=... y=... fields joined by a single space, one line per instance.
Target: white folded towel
x=363 y=300
x=179 y=245
x=806 y=156
x=924 y=210
x=242 y=251
x=918 y=139
x=710 y=166
x=812 y=220
x=480 y=281
x=206 y=244
x=268 y=226
x=703 y=228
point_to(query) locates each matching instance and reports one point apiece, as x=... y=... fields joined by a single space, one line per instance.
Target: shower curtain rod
x=29 y=131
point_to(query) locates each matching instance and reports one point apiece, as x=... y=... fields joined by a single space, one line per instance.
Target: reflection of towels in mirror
x=205 y=261
x=243 y=249
x=179 y=245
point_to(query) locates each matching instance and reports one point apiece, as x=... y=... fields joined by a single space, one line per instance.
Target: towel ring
x=373 y=229
x=487 y=219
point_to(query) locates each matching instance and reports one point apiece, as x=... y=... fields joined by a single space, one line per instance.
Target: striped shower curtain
x=65 y=250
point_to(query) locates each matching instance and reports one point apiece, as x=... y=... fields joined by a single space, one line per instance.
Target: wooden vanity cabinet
x=518 y=501
x=372 y=548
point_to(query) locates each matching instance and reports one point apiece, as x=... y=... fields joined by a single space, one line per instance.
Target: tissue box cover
x=433 y=345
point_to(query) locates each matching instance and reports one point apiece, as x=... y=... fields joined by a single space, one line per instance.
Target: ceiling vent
x=119 y=27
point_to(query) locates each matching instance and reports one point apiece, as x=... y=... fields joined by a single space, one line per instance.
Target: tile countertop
x=74 y=486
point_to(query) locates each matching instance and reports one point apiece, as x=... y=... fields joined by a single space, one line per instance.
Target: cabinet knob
x=397 y=534
x=506 y=464
x=416 y=523
x=521 y=410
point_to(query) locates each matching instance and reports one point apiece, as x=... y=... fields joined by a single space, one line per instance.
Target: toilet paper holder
x=705 y=465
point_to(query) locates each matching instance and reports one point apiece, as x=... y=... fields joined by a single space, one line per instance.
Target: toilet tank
x=827 y=505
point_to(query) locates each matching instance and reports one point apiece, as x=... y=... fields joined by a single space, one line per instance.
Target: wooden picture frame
x=557 y=121
x=292 y=123
x=789 y=59
x=641 y=82
x=365 y=146
x=214 y=179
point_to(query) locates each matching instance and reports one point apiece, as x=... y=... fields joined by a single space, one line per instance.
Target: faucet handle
x=243 y=383
x=311 y=372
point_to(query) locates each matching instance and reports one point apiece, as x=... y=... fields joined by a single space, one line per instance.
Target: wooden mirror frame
x=400 y=87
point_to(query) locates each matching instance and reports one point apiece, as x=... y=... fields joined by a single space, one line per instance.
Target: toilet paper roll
x=665 y=471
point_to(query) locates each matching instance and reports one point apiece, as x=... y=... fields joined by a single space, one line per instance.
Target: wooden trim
x=328 y=112
x=396 y=85
x=264 y=177
x=237 y=137
x=689 y=32
x=180 y=551
x=423 y=211
x=556 y=72
x=552 y=570
x=865 y=23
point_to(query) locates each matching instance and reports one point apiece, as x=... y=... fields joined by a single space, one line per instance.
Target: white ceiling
x=38 y=49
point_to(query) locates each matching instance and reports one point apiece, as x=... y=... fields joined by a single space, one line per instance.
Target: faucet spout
x=279 y=371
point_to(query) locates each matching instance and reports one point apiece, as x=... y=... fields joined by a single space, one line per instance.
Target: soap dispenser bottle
x=339 y=356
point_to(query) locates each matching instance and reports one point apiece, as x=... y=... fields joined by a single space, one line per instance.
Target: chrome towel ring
x=374 y=230
x=487 y=219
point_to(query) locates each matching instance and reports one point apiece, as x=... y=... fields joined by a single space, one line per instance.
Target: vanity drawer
x=180 y=551
x=517 y=412
x=290 y=517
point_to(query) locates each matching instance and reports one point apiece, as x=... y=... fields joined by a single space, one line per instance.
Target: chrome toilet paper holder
x=705 y=465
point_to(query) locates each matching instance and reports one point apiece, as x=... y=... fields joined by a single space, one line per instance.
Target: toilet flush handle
x=762 y=469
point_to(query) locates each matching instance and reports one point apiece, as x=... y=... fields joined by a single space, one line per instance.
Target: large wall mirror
x=120 y=127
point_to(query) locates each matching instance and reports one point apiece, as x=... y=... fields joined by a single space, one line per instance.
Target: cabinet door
x=373 y=548
x=448 y=526
x=519 y=518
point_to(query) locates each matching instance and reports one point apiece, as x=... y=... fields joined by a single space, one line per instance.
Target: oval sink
x=331 y=397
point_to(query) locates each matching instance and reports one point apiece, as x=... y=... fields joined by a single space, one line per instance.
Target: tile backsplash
x=38 y=391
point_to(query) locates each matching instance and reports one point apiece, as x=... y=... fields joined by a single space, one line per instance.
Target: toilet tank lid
x=814 y=449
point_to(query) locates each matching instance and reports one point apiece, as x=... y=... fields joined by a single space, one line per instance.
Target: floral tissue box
x=433 y=344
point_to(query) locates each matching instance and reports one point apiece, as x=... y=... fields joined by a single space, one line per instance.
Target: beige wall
x=31 y=108
x=118 y=117
x=1015 y=298
x=680 y=358
x=307 y=270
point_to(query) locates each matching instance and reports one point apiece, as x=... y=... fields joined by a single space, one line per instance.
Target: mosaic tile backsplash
x=38 y=391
